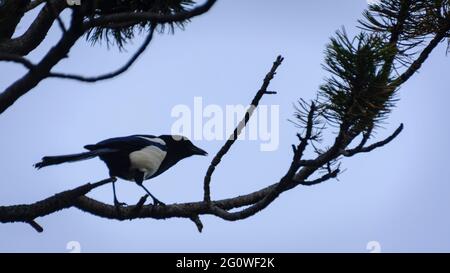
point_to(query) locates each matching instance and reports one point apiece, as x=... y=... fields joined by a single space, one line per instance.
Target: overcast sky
x=397 y=195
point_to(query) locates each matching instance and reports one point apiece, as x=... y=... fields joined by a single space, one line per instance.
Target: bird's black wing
x=128 y=144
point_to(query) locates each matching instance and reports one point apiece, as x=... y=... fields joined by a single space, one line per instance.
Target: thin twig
x=321 y=179
x=198 y=223
x=36 y=226
x=417 y=64
x=16 y=59
x=56 y=14
x=374 y=146
x=233 y=137
x=113 y=74
x=300 y=149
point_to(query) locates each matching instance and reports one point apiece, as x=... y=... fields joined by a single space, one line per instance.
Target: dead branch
x=233 y=137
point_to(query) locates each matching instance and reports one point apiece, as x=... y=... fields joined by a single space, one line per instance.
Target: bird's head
x=182 y=146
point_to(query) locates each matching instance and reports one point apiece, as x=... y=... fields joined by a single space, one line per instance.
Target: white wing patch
x=147 y=160
x=156 y=139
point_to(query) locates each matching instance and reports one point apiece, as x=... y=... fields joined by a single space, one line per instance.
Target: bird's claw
x=118 y=204
x=156 y=202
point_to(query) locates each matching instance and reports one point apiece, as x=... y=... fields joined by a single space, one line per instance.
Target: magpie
x=134 y=158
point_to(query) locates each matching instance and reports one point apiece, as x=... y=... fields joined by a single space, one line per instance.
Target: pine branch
x=417 y=64
x=362 y=149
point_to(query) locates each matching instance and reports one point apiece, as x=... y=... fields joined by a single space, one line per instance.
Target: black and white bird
x=134 y=158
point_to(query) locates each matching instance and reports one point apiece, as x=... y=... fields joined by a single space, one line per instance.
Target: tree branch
x=56 y=14
x=16 y=59
x=132 y=18
x=34 y=4
x=66 y=199
x=11 y=11
x=417 y=64
x=319 y=180
x=37 y=31
x=300 y=149
x=250 y=203
x=233 y=137
x=113 y=74
x=36 y=226
x=374 y=146
x=42 y=69
x=43 y=22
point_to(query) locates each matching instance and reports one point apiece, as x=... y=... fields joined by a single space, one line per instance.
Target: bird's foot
x=118 y=204
x=156 y=202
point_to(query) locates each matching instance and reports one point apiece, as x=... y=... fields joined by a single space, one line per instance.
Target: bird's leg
x=156 y=202
x=139 y=179
x=116 y=202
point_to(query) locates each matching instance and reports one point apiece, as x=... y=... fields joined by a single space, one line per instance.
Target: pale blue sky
x=397 y=195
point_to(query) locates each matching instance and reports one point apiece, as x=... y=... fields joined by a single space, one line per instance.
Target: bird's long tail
x=54 y=160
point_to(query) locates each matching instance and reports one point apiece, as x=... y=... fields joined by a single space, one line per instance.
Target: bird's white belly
x=147 y=160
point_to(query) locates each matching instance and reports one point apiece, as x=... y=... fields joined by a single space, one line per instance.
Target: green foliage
x=357 y=91
x=120 y=35
x=422 y=20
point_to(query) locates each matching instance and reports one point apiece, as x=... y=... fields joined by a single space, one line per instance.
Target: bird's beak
x=198 y=151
